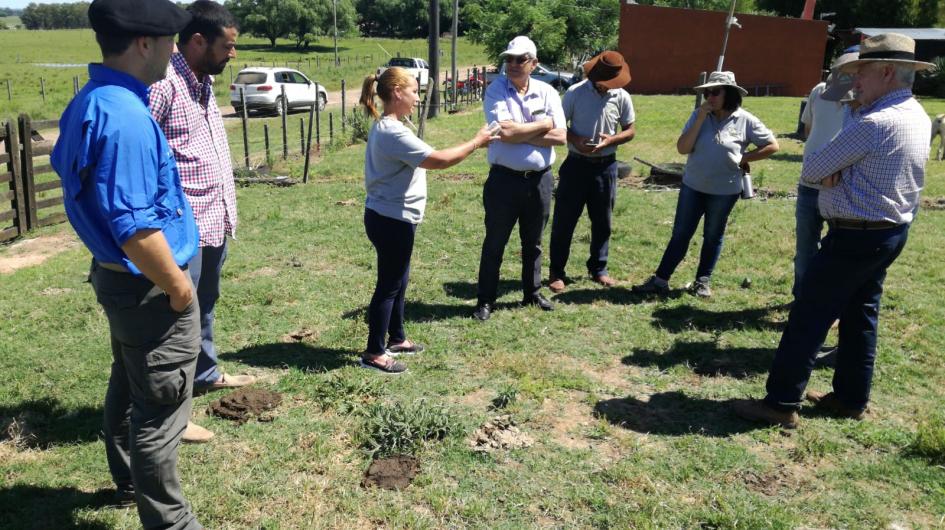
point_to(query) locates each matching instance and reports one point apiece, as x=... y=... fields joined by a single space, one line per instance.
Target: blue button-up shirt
x=118 y=173
x=502 y=103
x=881 y=154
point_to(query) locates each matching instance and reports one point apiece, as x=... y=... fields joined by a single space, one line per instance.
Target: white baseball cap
x=520 y=46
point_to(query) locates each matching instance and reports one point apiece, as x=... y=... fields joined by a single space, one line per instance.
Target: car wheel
x=278 y=107
x=238 y=110
x=322 y=102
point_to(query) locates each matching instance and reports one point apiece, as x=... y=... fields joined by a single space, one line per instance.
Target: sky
x=19 y=4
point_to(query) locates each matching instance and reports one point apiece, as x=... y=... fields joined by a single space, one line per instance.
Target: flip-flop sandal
x=414 y=348
x=392 y=367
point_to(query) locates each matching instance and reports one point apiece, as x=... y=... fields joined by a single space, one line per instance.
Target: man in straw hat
x=594 y=108
x=123 y=195
x=519 y=186
x=871 y=175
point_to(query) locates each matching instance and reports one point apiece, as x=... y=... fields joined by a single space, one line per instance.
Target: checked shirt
x=186 y=110
x=881 y=154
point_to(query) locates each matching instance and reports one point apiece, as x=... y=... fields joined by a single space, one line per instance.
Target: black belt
x=596 y=160
x=857 y=224
x=527 y=174
x=116 y=267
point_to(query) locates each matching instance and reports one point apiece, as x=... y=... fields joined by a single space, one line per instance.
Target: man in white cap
x=872 y=174
x=520 y=183
x=823 y=117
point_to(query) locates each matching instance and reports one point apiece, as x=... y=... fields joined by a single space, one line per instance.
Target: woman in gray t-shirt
x=716 y=138
x=395 y=177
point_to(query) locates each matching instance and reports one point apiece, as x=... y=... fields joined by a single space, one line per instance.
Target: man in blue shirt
x=123 y=196
x=871 y=175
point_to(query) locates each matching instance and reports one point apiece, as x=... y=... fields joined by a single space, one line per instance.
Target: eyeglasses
x=517 y=59
x=712 y=92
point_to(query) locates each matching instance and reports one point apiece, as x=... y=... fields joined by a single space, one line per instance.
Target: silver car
x=263 y=90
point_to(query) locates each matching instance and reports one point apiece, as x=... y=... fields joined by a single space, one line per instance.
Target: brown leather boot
x=759 y=411
x=829 y=403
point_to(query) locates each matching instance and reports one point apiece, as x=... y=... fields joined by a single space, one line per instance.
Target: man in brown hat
x=588 y=177
x=871 y=175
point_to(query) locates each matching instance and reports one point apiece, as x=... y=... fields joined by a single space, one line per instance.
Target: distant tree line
x=55 y=16
x=9 y=12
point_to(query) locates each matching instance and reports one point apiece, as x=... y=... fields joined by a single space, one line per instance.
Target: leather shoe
x=556 y=285
x=759 y=411
x=605 y=280
x=540 y=301
x=483 y=311
x=831 y=404
x=195 y=434
x=232 y=381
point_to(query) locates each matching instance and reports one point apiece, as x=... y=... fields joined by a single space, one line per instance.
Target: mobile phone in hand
x=494 y=128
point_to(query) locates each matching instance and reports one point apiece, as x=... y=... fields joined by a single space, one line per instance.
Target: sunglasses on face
x=516 y=59
x=712 y=92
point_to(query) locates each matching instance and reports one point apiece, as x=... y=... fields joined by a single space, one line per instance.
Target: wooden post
x=302 y=134
x=285 y=132
x=266 y=140
x=26 y=169
x=42 y=88
x=343 y=106
x=308 y=144
x=318 y=127
x=9 y=90
x=331 y=127
x=244 y=119
x=231 y=73
x=13 y=148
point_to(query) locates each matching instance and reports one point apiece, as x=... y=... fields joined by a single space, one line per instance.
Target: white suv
x=262 y=89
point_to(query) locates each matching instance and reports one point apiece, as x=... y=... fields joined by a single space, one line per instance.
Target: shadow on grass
x=28 y=506
x=687 y=317
x=613 y=295
x=787 y=157
x=424 y=312
x=45 y=422
x=297 y=355
x=707 y=359
x=470 y=290
x=674 y=414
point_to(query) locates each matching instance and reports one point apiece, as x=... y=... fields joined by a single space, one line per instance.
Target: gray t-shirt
x=712 y=166
x=396 y=185
x=591 y=113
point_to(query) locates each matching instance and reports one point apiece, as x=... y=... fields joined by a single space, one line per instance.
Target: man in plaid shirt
x=870 y=177
x=184 y=106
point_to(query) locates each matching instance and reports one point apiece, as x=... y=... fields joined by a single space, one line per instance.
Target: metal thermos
x=747 y=190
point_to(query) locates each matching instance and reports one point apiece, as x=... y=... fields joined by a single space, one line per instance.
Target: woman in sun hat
x=716 y=138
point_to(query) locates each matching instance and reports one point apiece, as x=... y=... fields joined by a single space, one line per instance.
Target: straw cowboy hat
x=839 y=83
x=721 y=79
x=887 y=47
x=608 y=69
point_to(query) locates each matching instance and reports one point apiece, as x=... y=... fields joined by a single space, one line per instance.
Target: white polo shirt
x=503 y=103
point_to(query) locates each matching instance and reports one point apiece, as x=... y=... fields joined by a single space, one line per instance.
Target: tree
x=563 y=30
x=865 y=13
x=402 y=18
x=269 y=19
x=55 y=16
x=315 y=19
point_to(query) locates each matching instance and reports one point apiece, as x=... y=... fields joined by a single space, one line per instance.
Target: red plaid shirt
x=188 y=113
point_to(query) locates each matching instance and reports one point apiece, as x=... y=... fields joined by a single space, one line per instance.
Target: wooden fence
x=33 y=195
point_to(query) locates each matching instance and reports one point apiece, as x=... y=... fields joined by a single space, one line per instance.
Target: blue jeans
x=205 y=268
x=583 y=183
x=690 y=208
x=393 y=241
x=809 y=227
x=845 y=281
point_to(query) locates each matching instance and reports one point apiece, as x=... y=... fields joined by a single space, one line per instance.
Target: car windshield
x=250 y=78
x=403 y=62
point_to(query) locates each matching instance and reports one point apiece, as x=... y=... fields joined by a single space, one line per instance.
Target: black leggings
x=393 y=241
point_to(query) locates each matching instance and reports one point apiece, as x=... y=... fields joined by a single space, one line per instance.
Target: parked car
x=262 y=90
x=415 y=65
x=559 y=79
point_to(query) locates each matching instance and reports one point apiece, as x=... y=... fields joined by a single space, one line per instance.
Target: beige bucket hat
x=720 y=79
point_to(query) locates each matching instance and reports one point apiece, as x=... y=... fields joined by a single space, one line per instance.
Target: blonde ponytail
x=392 y=78
x=367 y=95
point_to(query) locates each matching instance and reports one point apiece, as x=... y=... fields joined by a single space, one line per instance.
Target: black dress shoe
x=483 y=311
x=540 y=301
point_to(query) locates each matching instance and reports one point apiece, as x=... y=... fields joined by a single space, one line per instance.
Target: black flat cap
x=138 y=17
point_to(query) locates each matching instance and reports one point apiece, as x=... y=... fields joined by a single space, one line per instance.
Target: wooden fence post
x=42 y=88
x=699 y=95
x=244 y=118
x=266 y=140
x=308 y=144
x=302 y=134
x=285 y=132
x=26 y=169
x=331 y=127
x=9 y=90
x=16 y=184
x=343 y=99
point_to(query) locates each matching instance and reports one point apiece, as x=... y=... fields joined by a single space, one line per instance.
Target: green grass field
x=626 y=397
x=29 y=56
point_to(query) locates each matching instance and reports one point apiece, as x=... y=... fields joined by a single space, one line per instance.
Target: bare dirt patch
x=301 y=335
x=246 y=403
x=567 y=418
x=499 y=434
x=933 y=203
x=393 y=473
x=773 y=483
x=30 y=252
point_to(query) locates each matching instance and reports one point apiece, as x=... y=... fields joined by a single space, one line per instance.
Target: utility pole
x=729 y=22
x=434 y=60
x=334 y=16
x=454 y=33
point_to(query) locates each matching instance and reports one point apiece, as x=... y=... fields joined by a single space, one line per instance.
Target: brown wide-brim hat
x=887 y=47
x=609 y=69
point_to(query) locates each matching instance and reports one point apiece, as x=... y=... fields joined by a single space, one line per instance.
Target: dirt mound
x=392 y=473
x=937 y=203
x=499 y=433
x=246 y=403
